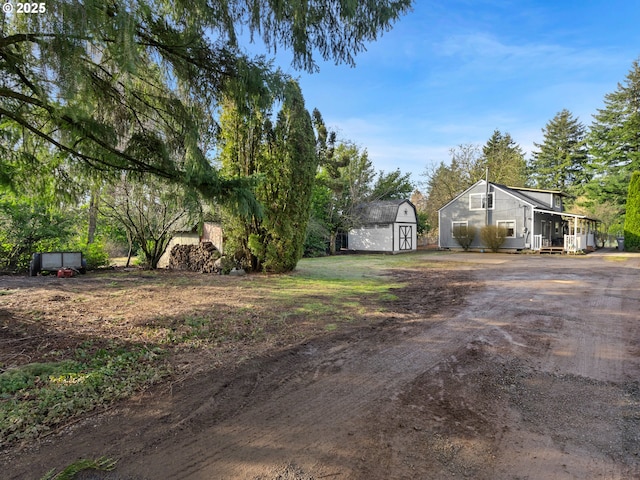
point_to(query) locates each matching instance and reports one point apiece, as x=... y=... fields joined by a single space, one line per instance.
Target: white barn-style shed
x=388 y=226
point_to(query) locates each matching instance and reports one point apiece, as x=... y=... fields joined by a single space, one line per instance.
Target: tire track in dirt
x=524 y=380
x=545 y=390
x=571 y=412
x=309 y=420
x=301 y=405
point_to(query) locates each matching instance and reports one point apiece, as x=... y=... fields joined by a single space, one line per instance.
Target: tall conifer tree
x=505 y=160
x=160 y=70
x=283 y=157
x=614 y=140
x=289 y=167
x=560 y=162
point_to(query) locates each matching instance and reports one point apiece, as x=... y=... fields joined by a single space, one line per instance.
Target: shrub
x=493 y=237
x=27 y=227
x=94 y=253
x=464 y=235
x=632 y=216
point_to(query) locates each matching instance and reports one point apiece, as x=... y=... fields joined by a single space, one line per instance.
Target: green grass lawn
x=322 y=295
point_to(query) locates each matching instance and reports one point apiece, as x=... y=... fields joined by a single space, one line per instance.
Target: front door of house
x=406 y=237
x=546 y=233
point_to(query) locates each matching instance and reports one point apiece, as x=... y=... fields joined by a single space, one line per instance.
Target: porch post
x=575 y=234
x=533 y=227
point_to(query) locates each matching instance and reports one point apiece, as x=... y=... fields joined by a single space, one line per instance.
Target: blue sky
x=453 y=71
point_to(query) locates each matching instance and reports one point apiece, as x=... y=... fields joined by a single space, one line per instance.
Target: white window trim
x=461 y=223
x=498 y=222
x=481 y=195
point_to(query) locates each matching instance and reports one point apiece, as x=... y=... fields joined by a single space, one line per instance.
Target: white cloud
x=485 y=52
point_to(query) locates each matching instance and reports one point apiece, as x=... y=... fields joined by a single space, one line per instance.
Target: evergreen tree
x=632 y=217
x=505 y=160
x=284 y=159
x=242 y=139
x=289 y=167
x=614 y=140
x=159 y=70
x=561 y=160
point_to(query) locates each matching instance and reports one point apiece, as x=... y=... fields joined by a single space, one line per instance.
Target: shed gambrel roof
x=383 y=211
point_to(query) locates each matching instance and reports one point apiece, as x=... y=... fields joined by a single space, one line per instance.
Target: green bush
x=493 y=237
x=316 y=243
x=464 y=235
x=29 y=226
x=632 y=216
x=95 y=254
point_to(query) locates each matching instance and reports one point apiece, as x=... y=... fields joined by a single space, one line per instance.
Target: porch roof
x=565 y=214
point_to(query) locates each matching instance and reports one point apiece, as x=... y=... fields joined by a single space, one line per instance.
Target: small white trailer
x=52 y=261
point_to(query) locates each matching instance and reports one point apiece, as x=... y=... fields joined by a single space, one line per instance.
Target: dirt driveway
x=529 y=370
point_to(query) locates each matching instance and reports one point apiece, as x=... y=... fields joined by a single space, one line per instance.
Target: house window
x=510 y=226
x=477 y=201
x=558 y=201
x=455 y=225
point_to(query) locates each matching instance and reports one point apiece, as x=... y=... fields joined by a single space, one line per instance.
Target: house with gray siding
x=534 y=219
x=388 y=226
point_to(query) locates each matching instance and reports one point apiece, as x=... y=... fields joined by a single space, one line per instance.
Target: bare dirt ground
x=508 y=367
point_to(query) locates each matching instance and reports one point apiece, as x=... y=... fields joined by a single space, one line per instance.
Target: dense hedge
x=632 y=217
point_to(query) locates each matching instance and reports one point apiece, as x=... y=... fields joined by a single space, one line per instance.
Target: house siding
x=541 y=197
x=506 y=208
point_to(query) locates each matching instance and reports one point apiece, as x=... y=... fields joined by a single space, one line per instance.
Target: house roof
x=521 y=194
x=567 y=214
x=518 y=192
x=541 y=190
x=383 y=211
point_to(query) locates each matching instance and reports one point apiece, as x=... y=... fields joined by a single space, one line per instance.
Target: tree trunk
x=332 y=243
x=130 y=241
x=93 y=214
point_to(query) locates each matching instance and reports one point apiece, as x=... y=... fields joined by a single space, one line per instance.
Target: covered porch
x=559 y=232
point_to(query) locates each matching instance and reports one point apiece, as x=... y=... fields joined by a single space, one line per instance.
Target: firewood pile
x=196 y=258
